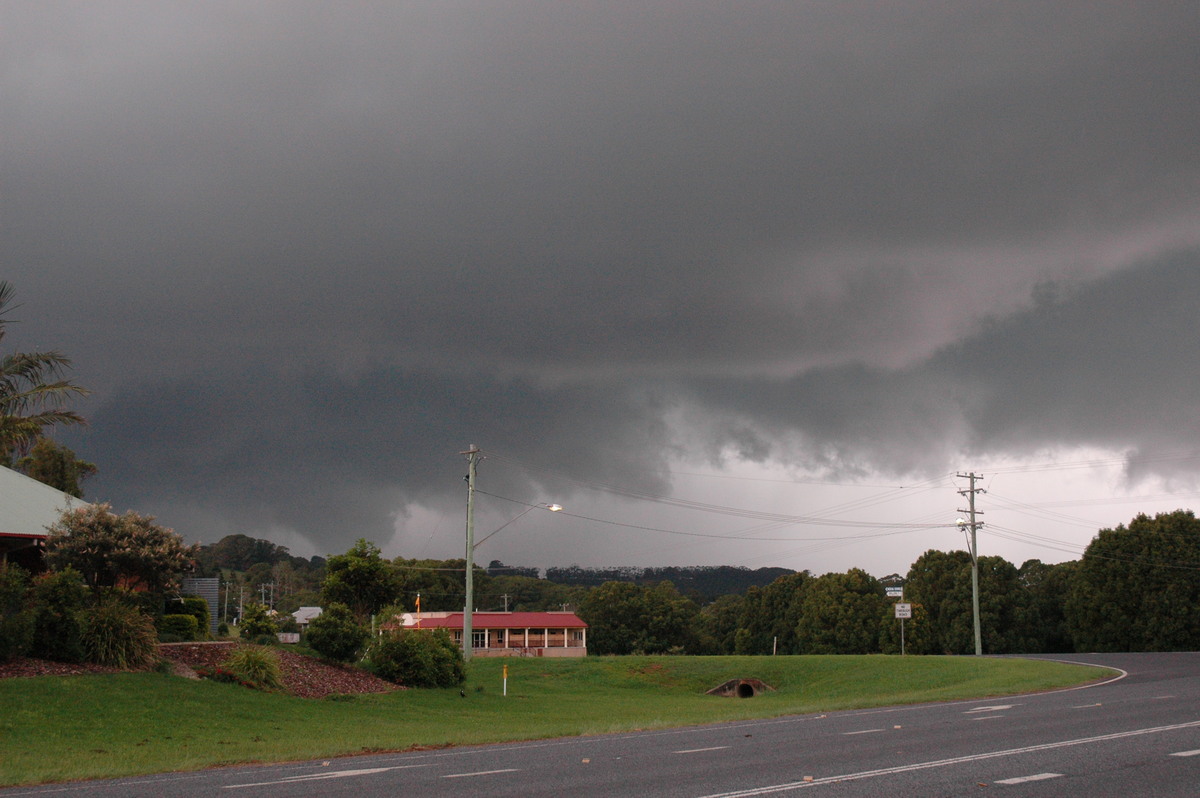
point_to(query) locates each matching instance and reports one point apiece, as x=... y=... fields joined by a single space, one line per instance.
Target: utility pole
x=974 y=546
x=468 y=639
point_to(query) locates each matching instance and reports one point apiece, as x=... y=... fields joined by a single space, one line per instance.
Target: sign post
x=903 y=610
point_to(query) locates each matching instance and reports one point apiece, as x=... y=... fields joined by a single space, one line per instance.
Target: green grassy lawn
x=78 y=727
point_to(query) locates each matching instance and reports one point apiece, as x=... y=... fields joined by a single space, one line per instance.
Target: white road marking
x=333 y=774
x=479 y=773
x=701 y=750
x=941 y=763
x=1036 y=777
x=997 y=708
x=864 y=731
x=1187 y=753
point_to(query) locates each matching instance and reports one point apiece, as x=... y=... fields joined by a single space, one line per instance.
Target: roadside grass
x=81 y=727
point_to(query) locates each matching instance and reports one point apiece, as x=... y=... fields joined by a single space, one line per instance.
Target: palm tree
x=32 y=392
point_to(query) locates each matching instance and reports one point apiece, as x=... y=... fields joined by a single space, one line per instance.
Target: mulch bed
x=302 y=676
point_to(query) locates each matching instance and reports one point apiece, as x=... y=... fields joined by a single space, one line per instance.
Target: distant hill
x=702 y=582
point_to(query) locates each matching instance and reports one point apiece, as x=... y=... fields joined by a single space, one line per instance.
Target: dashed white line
x=1187 y=753
x=478 y=773
x=1035 y=777
x=939 y=763
x=864 y=731
x=332 y=774
x=701 y=750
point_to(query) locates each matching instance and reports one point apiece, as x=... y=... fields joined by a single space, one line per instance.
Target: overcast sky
x=735 y=283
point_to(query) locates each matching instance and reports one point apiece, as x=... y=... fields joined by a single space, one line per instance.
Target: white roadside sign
x=903 y=610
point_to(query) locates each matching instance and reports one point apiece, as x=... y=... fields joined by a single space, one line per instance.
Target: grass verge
x=136 y=723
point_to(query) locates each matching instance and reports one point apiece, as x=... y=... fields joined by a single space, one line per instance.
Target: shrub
x=16 y=622
x=287 y=623
x=119 y=636
x=59 y=600
x=255 y=666
x=198 y=608
x=256 y=622
x=335 y=634
x=222 y=629
x=180 y=627
x=425 y=658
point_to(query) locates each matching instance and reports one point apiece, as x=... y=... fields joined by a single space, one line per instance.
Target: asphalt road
x=1132 y=736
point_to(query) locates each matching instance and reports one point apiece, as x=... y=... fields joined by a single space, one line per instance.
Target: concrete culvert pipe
x=741 y=688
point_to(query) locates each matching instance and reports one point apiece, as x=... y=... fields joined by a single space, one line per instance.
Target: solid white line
x=864 y=731
x=701 y=750
x=479 y=773
x=1036 y=777
x=939 y=763
x=1187 y=753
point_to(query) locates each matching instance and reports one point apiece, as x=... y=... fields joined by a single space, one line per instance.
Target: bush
x=256 y=622
x=255 y=666
x=59 y=600
x=198 y=608
x=335 y=634
x=119 y=636
x=16 y=622
x=180 y=627
x=424 y=658
x=286 y=623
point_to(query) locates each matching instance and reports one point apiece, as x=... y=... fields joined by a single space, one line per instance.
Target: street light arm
x=554 y=508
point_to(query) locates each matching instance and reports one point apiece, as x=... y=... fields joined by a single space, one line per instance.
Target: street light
x=472 y=459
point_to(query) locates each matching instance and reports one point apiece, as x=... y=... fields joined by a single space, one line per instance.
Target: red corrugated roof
x=507 y=620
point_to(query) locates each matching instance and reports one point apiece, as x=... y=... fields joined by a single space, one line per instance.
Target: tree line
x=1135 y=589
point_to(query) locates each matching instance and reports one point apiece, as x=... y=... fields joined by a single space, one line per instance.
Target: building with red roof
x=509 y=634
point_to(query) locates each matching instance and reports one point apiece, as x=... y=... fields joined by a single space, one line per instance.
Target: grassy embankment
x=63 y=728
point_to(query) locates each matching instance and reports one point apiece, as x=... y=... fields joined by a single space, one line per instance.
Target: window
x=479 y=639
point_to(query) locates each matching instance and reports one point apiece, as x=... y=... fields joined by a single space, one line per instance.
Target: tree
x=770 y=616
x=1042 y=621
x=32 y=393
x=335 y=634
x=936 y=581
x=57 y=466
x=112 y=550
x=257 y=622
x=625 y=618
x=941 y=582
x=1136 y=587
x=715 y=626
x=840 y=614
x=361 y=579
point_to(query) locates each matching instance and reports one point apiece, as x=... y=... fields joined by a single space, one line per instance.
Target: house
x=509 y=634
x=27 y=509
x=306 y=614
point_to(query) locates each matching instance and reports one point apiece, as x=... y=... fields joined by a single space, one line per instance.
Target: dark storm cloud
x=1109 y=364
x=303 y=253
x=335 y=459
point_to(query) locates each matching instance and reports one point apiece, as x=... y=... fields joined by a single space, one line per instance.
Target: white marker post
x=506 y=680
